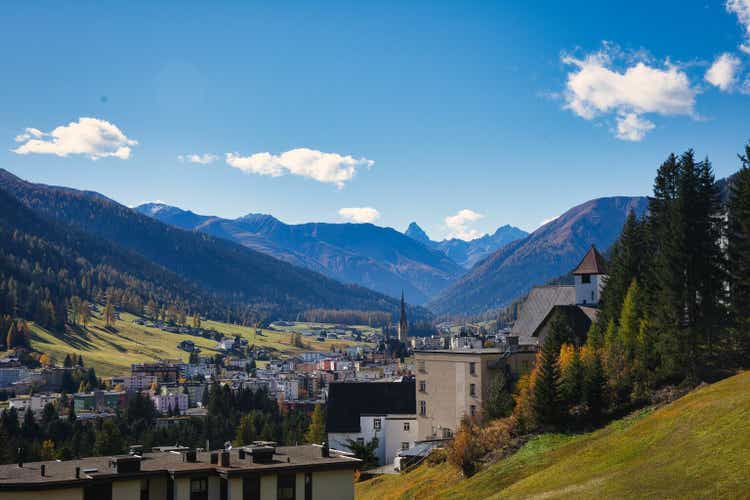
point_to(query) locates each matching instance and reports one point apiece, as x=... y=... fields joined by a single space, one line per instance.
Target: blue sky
x=460 y=116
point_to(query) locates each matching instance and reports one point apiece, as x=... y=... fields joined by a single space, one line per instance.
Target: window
x=251 y=488
x=585 y=278
x=360 y=440
x=101 y=491
x=447 y=433
x=421 y=366
x=144 y=489
x=308 y=485
x=404 y=446
x=592 y=295
x=199 y=489
x=472 y=368
x=473 y=411
x=407 y=426
x=423 y=408
x=285 y=484
x=223 y=489
x=422 y=386
x=473 y=390
x=376 y=424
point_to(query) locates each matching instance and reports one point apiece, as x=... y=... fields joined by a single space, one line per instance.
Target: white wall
x=395 y=434
x=585 y=291
x=338 y=440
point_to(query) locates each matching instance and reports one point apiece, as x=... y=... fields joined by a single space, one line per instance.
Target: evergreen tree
x=595 y=386
x=109 y=440
x=572 y=380
x=316 y=433
x=499 y=402
x=109 y=315
x=738 y=247
x=546 y=403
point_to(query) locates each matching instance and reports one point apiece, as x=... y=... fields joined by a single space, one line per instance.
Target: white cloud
x=322 y=167
x=88 y=136
x=723 y=72
x=742 y=9
x=360 y=214
x=595 y=88
x=458 y=224
x=631 y=127
x=203 y=159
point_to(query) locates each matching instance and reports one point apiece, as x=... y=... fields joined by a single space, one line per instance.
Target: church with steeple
x=403 y=323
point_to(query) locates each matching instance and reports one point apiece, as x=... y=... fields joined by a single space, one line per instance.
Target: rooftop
x=592 y=263
x=63 y=473
x=348 y=400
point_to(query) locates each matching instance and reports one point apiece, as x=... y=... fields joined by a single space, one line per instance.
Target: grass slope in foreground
x=695 y=447
x=112 y=352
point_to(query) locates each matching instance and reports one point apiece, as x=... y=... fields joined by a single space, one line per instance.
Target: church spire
x=403 y=324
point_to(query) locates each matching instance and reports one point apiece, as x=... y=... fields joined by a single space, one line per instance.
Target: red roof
x=592 y=263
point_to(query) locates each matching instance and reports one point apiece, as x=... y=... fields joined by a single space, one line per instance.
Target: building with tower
x=579 y=302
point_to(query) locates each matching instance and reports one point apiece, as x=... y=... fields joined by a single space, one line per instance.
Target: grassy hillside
x=696 y=447
x=112 y=353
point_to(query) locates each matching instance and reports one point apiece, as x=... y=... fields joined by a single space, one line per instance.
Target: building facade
x=454 y=384
x=249 y=473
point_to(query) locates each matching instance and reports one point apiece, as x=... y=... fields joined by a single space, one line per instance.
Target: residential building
x=361 y=411
x=166 y=371
x=253 y=472
x=167 y=401
x=453 y=384
x=98 y=400
x=35 y=403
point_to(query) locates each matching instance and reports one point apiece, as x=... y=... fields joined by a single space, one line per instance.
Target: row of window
x=423 y=369
x=377 y=424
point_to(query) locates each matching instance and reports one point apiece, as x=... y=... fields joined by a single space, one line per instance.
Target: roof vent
x=189 y=456
x=262 y=454
x=126 y=464
x=325 y=451
x=43 y=469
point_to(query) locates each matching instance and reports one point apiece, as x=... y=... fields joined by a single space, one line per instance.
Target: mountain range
x=225 y=272
x=379 y=258
x=467 y=253
x=550 y=251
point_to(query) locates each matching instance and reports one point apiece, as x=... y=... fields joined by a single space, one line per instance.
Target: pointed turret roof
x=592 y=263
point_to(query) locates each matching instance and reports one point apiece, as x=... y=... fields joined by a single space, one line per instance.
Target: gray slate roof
x=537 y=306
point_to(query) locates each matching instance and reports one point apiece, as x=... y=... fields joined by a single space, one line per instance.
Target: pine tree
x=499 y=402
x=109 y=315
x=316 y=432
x=738 y=247
x=595 y=385
x=572 y=380
x=546 y=403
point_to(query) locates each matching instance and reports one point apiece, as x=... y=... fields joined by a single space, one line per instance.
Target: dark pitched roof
x=592 y=263
x=537 y=306
x=347 y=401
x=579 y=318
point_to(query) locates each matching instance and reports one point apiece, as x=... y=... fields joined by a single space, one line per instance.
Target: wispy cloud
x=360 y=214
x=203 y=159
x=598 y=88
x=322 y=167
x=458 y=224
x=742 y=9
x=90 y=137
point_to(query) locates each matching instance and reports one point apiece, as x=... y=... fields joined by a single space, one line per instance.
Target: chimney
x=214 y=457
x=242 y=453
x=78 y=473
x=325 y=451
x=20 y=457
x=224 y=459
x=189 y=456
x=43 y=469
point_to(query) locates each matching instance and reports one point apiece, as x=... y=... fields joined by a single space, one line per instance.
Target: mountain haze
x=376 y=257
x=221 y=268
x=550 y=251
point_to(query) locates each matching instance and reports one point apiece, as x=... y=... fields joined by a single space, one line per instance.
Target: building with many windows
x=453 y=384
x=248 y=473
